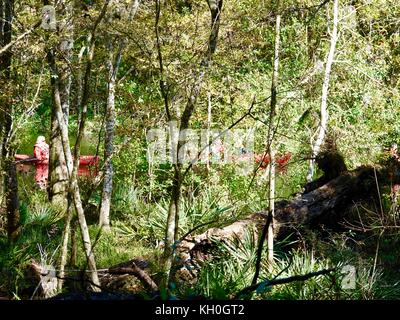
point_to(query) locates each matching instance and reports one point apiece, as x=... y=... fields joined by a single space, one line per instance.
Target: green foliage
x=320 y=287
x=40 y=237
x=141 y=220
x=363 y=105
x=13 y=259
x=237 y=259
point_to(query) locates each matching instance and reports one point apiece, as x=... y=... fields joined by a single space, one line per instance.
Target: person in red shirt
x=41 y=153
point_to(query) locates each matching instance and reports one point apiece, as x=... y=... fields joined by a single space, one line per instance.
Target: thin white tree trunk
x=321 y=131
x=104 y=219
x=270 y=240
x=271 y=150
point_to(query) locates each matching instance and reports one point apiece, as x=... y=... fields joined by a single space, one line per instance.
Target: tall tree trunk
x=83 y=98
x=58 y=172
x=74 y=188
x=271 y=151
x=8 y=151
x=112 y=66
x=171 y=231
x=324 y=99
x=59 y=177
x=73 y=164
x=104 y=217
x=2 y=112
x=268 y=229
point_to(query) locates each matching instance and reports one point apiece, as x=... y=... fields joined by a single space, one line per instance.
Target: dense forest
x=209 y=149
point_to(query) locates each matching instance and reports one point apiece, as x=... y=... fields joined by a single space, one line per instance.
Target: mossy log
x=326 y=205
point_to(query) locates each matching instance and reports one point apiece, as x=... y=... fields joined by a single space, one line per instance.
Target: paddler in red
x=41 y=153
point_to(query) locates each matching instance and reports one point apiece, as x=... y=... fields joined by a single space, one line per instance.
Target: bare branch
x=270 y=283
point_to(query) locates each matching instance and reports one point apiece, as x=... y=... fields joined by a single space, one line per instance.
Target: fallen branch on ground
x=269 y=283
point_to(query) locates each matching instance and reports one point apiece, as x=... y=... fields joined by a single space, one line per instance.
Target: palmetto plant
x=147 y=221
x=237 y=259
x=43 y=214
x=126 y=199
x=204 y=209
x=299 y=263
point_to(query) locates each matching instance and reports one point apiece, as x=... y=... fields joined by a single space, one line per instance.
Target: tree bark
x=104 y=217
x=12 y=200
x=64 y=245
x=74 y=188
x=322 y=129
x=271 y=207
x=58 y=172
x=271 y=150
x=2 y=112
x=113 y=64
x=59 y=176
x=268 y=228
x=8 y=151
x=73 y=164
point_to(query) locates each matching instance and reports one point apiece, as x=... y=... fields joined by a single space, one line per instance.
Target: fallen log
x=329 y=203
x=125 y=280
x=129 y=277
x=326 y=205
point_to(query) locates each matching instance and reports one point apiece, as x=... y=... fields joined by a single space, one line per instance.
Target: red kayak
x=89 y=160
x=88 y=165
